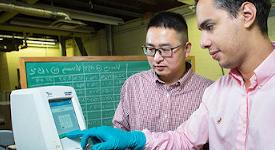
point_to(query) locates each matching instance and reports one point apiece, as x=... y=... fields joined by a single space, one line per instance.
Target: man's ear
x=248 y=12
x=188 y=46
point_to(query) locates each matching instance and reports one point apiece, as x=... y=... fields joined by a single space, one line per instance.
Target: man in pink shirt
x=165 y=96
x=237 y=111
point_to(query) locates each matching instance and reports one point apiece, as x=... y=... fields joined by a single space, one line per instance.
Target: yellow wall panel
x=12 y=62
x=205 y=65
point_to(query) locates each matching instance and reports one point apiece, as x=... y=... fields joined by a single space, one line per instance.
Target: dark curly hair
x=232 y=7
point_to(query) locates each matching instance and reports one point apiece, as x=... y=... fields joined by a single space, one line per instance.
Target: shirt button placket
x=242 y=124
x=166 y=111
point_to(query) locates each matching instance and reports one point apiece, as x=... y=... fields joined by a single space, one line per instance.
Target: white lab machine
x=41 y=116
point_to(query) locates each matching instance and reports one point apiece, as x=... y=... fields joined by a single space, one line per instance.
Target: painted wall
x=129 y=38
x=1 y=65
x=4 y=73
x=271 y=27
x=205 y=65
x=94 y=44
x=13 y=61
x=271 y=23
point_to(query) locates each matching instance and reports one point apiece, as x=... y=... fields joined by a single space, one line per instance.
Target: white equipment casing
x=33 y=124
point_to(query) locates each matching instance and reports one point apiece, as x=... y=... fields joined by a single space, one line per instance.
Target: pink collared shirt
x=230 y=116
x=146 y=102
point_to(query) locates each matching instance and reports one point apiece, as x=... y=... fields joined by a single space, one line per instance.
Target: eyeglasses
x=164 y=52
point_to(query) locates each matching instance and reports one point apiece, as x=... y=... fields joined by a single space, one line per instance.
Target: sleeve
x=121 y=117
x=192 y=134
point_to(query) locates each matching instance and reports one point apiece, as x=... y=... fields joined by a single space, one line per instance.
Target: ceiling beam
x=74 y=14
x=31 y=11
x=184 y=10
x=189 y=2
x=97 y=7
x=149 y=2
x=41 y=31
x=30 y=1
x=117 y=11
x=92 y=4
x=85 y=16
x=9 y=15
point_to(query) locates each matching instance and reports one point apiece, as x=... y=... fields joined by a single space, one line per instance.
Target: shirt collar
x=261 y=74
x=182 y=80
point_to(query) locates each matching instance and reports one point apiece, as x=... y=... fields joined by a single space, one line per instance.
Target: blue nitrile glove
x=111 y=138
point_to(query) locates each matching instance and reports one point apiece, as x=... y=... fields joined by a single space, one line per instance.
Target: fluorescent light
x=41 y=39
x=40 y=45
x=28 y=38
x=41 y=42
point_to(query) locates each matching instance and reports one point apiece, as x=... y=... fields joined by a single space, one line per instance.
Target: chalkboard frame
x=24 y=60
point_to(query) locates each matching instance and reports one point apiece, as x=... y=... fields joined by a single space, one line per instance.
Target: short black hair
x=169 y=20
x=262 y=6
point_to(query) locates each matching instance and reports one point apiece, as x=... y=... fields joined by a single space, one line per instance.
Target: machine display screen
x=64 y=115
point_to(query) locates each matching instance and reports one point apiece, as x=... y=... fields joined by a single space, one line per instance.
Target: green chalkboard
x=97 y=80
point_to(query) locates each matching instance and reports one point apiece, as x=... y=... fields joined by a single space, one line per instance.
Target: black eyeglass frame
x=162 y=51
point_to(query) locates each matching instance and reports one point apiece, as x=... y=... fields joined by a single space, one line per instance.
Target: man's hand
x=106 y=137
